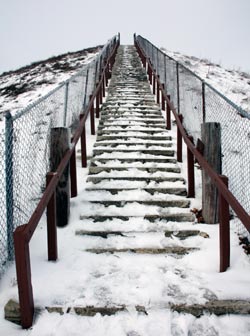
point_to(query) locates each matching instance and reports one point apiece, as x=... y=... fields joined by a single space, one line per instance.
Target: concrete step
x=132 y=132
x=147 y=179
x=116 y=115
x=128 y=127
x=177 y=203
x=129 y=143
x=141 y=160
x=137 y=145
x=97 y=170
x=135 y=137
x=177 y=250
x=212 y=307
x=152 y=191
x=155 y=152
x=182 y=234
x=175 y=217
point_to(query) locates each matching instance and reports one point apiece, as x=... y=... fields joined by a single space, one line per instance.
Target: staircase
x=135 y=226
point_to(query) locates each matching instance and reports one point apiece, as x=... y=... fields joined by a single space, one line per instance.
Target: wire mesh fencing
x=25 y=147
x=198 y=102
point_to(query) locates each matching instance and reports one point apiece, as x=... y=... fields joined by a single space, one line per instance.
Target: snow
x=82 y=278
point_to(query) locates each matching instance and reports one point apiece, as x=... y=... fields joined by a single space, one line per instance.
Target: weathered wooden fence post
x=59 y=144
x=211 y=137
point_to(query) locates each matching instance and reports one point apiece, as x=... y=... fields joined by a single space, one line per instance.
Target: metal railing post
x=83 y=145
x=224 y=229
x=97 y=104
x=92 y=117
x=154 y=83
x=168 y=115
x=162 y=98
x=73 y=175
x=179 y=141
x=190 y=167
x=9 y=184
x=158 y=90
x=23 y=272
x=51 y=223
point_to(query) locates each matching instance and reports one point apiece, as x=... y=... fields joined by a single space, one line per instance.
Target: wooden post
x=60 y=142
x=97 y=105
x=92 y=117
x=158 y=90
x=179 y=141
x=73 y=175
x=83 y=146
x=162 y=98
x=224 y=230
x=51 y=223
x=168 y=115
x=154 y=83
x=23 y=272
x=190 y=167
x=211 y=137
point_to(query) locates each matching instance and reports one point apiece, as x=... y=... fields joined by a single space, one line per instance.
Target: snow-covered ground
x=198 y=272
x=233 y=83
x=23 y=86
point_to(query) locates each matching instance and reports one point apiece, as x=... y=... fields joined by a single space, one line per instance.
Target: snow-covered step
x=116 y=153
x=182 y=234
x=134 y=161
x=100 y=169
x=97 y=179
x=127 y=145
x=120 y=142
x=177 y=203
x=134 y=138
x=166 y=217
x=152 y=191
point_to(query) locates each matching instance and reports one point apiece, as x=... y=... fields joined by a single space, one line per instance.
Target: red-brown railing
x=226 y=198
x=24 y=233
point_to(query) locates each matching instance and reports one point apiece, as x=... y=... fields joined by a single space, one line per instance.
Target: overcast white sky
x=31 y=30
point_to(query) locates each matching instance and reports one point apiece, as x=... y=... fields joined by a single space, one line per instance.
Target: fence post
x=97 y=104
x=92 y=116
x=190 y=167
x=9 y=183
x=162 y=98
x=203 y=102
x=224 y=229
x=23 y=272
x=211 y=137
x=154 y=82
x=73 y=175
x=83 y=145
x=168 y=115
x=178 y=87
x=165 y=70
x=86 y=88
x=100 y=92
x=66 y=103
x=158 y=90
x=59 y=145
x=51 y=223
x=179 y=141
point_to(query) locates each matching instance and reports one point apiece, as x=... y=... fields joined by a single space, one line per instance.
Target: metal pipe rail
x=221 y=182
x=24 y=233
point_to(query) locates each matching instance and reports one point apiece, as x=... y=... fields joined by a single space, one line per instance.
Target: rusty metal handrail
x=226 y=197
x=24 y=233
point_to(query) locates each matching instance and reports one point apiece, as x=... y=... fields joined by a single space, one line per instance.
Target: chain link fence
x=199 y=102
x=25 y=147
